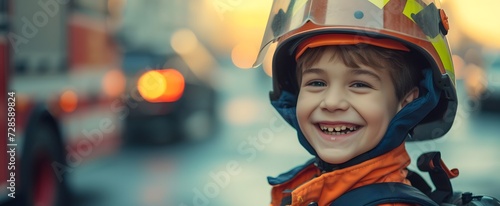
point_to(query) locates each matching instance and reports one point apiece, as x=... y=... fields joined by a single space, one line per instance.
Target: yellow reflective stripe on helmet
x=443 y=51
x=412 y=7
x=379 y=3
x=439 y=43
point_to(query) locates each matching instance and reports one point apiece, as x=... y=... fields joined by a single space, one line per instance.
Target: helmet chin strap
x=397 y=131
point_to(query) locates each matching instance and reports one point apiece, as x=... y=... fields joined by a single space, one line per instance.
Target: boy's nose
x=334 y=100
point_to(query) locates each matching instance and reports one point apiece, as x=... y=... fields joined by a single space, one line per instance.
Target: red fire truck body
x=55 y=59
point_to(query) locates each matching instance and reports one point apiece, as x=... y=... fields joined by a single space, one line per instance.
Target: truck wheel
x=43 y=163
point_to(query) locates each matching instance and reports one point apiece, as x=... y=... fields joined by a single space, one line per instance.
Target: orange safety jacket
x=308 y=186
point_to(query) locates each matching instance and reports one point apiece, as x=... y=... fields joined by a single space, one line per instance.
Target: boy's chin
x=334 y=159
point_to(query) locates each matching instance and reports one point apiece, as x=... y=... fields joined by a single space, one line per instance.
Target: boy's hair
x=402 y=69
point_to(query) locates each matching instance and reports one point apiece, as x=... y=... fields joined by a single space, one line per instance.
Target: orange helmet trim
x=347 y=39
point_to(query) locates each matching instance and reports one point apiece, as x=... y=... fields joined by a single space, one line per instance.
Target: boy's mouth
x=338 y=129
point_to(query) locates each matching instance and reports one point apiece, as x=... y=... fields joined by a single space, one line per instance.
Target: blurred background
x=154 y=102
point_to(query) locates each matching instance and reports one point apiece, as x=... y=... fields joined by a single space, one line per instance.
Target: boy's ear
x=412 y=95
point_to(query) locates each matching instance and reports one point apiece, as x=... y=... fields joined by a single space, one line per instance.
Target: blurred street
x=198 y=174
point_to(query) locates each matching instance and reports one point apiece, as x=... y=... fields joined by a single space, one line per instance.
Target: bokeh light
x=241 y=111
x=476 y=81
x=458 y=64
x=113 y=83
x=195 y=55
x=68 y=101
x=151 y=85
x=174 y=85
x=184 y=41
x=161 y=85
x=267 y=65
x=243 y=55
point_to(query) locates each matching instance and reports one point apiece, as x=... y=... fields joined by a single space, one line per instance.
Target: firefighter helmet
x=419 y=25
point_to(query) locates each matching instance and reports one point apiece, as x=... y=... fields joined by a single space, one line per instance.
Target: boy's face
x=344 y=112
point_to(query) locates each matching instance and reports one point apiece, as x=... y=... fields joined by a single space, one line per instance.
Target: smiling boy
x=356 y=78
x=343 y=111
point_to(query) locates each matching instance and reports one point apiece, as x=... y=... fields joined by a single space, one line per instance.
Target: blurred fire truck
x=77 y=94
x=58 y=59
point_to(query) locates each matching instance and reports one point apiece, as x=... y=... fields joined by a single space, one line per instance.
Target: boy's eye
x=360 y=85
x=316 y=84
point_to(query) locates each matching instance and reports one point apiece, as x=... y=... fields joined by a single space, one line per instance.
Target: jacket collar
x=311 y=185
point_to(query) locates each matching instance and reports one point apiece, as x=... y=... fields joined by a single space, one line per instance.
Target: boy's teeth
x=338 y=130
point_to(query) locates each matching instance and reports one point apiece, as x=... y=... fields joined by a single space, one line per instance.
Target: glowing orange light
x=151 y=85
x=161 y=85
x=113 y=83
x=175 y=85
x=68 y=101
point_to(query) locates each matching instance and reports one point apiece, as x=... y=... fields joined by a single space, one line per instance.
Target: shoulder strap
x=381 y=193
x=432 y=163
